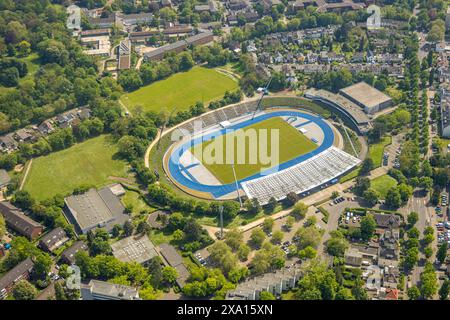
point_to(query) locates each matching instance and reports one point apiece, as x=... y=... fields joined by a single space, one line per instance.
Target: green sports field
x=87 y=163
x=181 y=90
x=291 y=143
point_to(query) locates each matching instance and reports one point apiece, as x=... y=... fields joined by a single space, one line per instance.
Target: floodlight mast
x=263 y=93
x=163 y=126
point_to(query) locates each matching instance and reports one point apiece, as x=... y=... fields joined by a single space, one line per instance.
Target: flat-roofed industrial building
x=95 y=209
x=367 y=97
x=134 y=249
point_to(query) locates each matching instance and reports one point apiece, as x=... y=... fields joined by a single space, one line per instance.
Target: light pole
x=163 y=126
x=221 y=221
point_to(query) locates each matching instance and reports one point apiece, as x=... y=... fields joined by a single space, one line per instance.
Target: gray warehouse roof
x=88 y=209
x=170 y=254
x=96 y=208
x=174 y=259
x=366 y=95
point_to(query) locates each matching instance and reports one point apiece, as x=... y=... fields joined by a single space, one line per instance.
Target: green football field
x=88 y=163
x=181 y=90
x=291 y=144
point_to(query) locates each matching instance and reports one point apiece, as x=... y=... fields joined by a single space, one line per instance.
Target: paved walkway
x=25 y=176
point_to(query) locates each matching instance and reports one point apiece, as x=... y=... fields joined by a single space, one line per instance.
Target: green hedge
x=325 y=213
x=364 y=211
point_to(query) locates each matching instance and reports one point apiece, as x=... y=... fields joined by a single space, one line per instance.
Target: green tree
x=128 y=228
x=268 y=224
x=411 y=258
x=178 y=235
x=24 y=290
x=42 y=266
x=366 y=166
x=299 y=211
x=2 y=226
x=429 y=283
x=413 y=217
x=272 y=204
x=413 y=293
x=257 y=237
x=290 y=222
x=444 y=290
x=243 y=252
x=393 y=198
x=277 y=237
x=186 y=61
x=265 y=295
x=233 y=238
x=337 y=245
x=291 y=199
x=371 y=196
x=361 y=185
x=309 y=236
x=307 y=253
x=368 y=226
x=405 y=192
x=169 y=274
x=441 y=254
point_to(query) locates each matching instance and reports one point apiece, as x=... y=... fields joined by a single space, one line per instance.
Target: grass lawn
x=33 y=66
x=376 y=150
x=382 y=184
x=159 y=236
x=87 y=163
x=292 y=144
x=181 y=90
x=134 y=199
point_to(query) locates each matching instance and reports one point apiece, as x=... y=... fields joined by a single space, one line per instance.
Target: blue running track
x=176 y=169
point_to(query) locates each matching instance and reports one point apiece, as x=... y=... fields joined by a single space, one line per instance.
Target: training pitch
x=181 y=91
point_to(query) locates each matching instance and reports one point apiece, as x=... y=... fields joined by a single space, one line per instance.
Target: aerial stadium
x=306 y=152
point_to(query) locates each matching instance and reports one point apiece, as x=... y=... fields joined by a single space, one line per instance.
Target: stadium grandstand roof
x=301 y=178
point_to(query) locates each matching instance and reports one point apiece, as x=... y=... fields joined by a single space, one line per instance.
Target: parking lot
x=443 y=229
x=351 y=219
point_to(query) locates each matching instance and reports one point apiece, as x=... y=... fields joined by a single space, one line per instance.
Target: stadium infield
x=289 y=145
